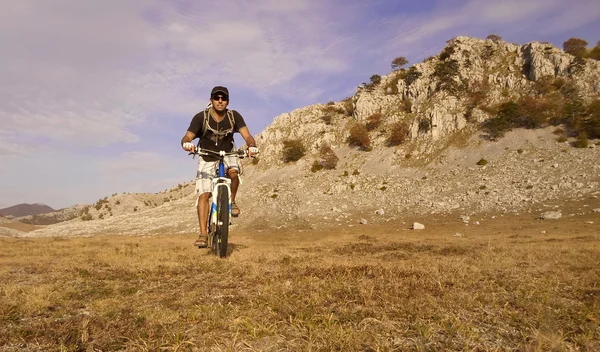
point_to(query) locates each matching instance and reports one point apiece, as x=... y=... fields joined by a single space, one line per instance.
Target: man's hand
x=188 y=146
x=252 y=151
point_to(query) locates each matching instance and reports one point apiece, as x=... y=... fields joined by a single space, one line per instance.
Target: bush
x=575 y=47
x=293 y=150
x=503 y=121
x=406 y=105
x=373 y=121
x=330 y=102
x=592 y=122
x=424 y=125
x=445 y=71
x=411 y=75
x=355 y=172
x=375 y=79
x=348 y=106
x=446 y=53
x=595 y=52
x=255 y=161
x=581 y=141
x=328 y=158
x=482 y=162
x=398 y=133
x=316 y=166
x=494 y=37
x=86 y=217
x=326 y=119
x=359 y=136
x=399 y=62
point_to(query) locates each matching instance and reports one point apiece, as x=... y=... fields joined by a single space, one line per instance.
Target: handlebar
x=241 y=153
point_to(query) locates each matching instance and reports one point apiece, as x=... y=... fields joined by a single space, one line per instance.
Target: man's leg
x=203 y=207
x=235 y=182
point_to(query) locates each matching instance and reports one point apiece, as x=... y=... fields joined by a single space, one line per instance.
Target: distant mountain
x=26 y=209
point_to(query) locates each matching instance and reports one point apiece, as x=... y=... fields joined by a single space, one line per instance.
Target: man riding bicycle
x=215 y=128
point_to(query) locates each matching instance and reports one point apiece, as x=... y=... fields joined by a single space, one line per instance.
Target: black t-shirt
x=211 y=140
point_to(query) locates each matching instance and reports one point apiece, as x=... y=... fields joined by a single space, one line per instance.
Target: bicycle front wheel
x=222 y=222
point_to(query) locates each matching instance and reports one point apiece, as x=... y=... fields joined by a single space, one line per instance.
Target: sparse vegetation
x=86 y=217
x=374 y=121
x=482 y=162
x=329 y=159
x=411 y=75
x=293 y=150
x=326 y=119
x=398 y=133
x=575 y=47
x=494 y=37
x=255 y=161
x=348 y=106
x=316 y=166
x=359 y=136
x=424 y=125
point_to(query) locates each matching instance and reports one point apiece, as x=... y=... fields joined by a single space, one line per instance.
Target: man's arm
x=188 y=138
x=250 y=142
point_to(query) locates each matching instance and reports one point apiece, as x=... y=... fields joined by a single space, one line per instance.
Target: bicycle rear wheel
x=222 y=232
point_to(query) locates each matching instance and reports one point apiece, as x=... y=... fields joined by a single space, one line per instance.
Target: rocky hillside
x=485 y=127
x=25 y=209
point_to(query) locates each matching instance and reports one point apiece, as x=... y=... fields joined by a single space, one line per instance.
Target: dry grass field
x=504 y=285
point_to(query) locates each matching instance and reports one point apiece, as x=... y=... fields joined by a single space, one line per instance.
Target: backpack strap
x=206 y=115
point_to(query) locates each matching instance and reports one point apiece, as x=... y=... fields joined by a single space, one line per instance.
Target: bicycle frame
x=220 y=180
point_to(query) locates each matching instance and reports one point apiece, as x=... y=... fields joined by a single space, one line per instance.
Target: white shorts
x=208 y=169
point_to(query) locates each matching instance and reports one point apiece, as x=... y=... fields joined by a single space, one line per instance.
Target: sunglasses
x=220 y=97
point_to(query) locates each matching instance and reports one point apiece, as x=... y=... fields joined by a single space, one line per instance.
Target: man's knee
x=204 y=196
x=233 y=173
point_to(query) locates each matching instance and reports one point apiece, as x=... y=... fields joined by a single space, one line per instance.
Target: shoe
x=201 y=242
x=235 y=210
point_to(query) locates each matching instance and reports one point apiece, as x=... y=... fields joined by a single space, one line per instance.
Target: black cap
x=220 y=89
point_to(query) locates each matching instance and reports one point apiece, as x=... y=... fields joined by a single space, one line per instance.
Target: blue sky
x=96 y=95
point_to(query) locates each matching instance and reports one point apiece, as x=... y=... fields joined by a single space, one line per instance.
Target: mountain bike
x=220 y=208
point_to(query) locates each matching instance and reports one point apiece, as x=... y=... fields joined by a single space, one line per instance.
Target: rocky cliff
x=443 y=164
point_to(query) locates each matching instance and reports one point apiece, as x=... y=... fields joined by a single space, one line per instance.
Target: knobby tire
x=222 y=217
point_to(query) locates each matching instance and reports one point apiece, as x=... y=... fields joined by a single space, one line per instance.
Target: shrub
x=359 y=136
x=392 y=84
x=482 y=162
x=293 y=150
x=581 y=141
x=355 y=172
x=86 y=217
x=330 y=102
x=255 y=161
x=326 y=119
x=411 y=75
x=592 y=123
x=424 y=125
x=118 y=202
x=595 y=52
x=375 y=79
x=328 y=158
x=575 y=47
x=407 y=105
x=348 y=106
x=398 y=133
x=503 y=121
x=316 y=166
x=494 y=37
x=373 y=121
x=332 y=110
x=446 y=53
x=561 y=139
x=445 y=71
x=399 y=62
